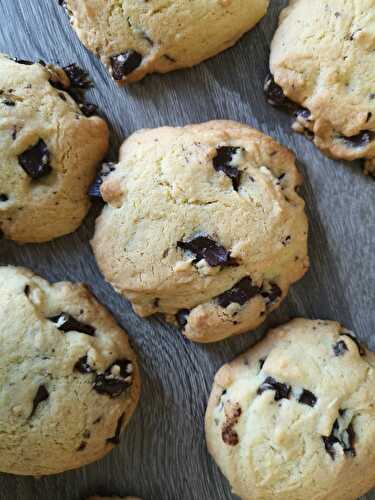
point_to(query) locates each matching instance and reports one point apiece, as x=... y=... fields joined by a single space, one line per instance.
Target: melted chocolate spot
x=282 y=391
x=83 y=366
x=35 y=160
x=204 y=247
x=3 y=197
x=114 y=384
x=307 y=398
x=240 y=293
x=82 y=446
x=78 y=77
x=125 y=63
x=228 y=434
x=66 y=323
x=222 y=163
x=340 y=348
x=116 y=438
x=181 y=317
x=41 y=395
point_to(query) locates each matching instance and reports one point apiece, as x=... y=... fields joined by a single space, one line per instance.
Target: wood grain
x=163 y=455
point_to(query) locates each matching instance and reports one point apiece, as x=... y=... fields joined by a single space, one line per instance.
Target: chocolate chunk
x=125 y=63
x=302 y=113
x=181 y=317
x=116 y=438
x=240 y=293
x=8 y=102
x=106 y=169
x=348 y=440
x=340 y=348
x=331 y=440
x=3 y=197
x=222 y=163
x=307 y=398
x=78 y=77
x=272 y=294
x=261 y=363
x=204 y=247
x=82 y=446
x=228 y=434
x=23 y=61
x=361 y=350
x=360 y=140
x=112 y=383
x=66 y=323
x=83 y=366
x=345 y=437
x=35 y=160
x=282 y=391
x=88 y=109
x=275 y=95
x=41 y=395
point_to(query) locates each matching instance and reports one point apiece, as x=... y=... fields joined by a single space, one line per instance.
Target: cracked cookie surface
x=323 y=59
x=179 y=237
x=294 y=416
x=135 y=38
x=51 y=146
x=68 y=377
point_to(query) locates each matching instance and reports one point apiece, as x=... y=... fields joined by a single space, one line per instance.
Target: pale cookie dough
x=203 y=224
x=134 y=38
x=69 y=381
x=50 y=148
x=323 y=59
x=294 y=417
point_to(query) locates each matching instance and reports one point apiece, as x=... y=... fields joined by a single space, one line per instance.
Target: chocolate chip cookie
x=294 y=417
x=135 y=38
x=203 y=224
x=69 y=381
x=322 y=65
x=51 y=143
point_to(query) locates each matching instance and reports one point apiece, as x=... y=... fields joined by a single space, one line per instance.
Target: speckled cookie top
x=294 y=417
x=134 y=38
x=51 y=144
x=203 y=223
x=69 y=379
x=323 y=58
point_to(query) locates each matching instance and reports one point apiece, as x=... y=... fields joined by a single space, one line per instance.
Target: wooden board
x=163 y=453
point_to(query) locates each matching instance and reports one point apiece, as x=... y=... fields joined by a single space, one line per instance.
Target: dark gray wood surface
x=163 y=455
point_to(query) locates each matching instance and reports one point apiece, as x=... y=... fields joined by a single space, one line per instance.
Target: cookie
x=203 y=224
x=323 y=70
x=135 y=38
x=294 y=417
x=68 y=377
x=50 y=146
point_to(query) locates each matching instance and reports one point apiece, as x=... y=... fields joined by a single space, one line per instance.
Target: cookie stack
x=202 y=224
